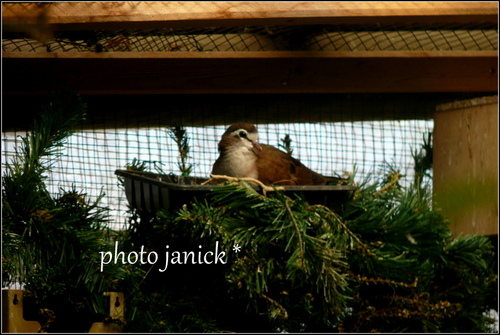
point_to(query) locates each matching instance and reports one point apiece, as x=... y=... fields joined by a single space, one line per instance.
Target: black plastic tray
x=151 y=192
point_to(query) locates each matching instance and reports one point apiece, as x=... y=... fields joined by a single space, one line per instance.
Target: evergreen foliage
x=408 y=276
x=51 y=243
x=387 y=263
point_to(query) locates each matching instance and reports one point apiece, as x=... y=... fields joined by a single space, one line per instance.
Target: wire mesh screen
x=90 y=157
x=331 y=147
x=267 y=38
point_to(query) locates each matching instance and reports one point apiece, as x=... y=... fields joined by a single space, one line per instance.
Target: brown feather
x=279 y=168
x=274 y=167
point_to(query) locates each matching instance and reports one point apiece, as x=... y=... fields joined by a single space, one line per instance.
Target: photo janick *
x=176 y=257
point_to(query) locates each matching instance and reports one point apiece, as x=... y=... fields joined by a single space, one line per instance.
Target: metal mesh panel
x=90 y=157
x=425 y=40
x=290 y=38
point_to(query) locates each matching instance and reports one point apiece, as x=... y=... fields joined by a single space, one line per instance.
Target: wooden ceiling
x=32 y=74
x=245 y=72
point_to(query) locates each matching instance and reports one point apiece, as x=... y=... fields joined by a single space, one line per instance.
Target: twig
x=347 y=230
x=264 y=187
x=275 y=303
x=395 y=177
x=137 y=286
x=364 y=279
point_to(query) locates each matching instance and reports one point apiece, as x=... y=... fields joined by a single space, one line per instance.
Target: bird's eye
x=243 y=133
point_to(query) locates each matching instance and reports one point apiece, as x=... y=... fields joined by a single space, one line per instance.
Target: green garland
x=387 y=263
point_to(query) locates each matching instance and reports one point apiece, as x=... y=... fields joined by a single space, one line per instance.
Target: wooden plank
x=122 y=111
x=114 y=15
x=466 y=164
x=251 y=72
x=249 y=54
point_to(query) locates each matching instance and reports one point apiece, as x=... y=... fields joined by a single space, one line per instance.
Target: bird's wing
x=274 y=166
x=279 y=168
x=306 y=176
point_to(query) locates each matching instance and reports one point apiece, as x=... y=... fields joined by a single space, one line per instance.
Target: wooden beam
x=465 y=167
x=123 y=111
x=117 y=15
x=251 y=72
x=247 y=54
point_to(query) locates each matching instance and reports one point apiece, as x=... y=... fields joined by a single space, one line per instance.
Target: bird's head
x=241 y=134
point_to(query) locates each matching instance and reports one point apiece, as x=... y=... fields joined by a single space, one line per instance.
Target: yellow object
x=116 y=309
x=13 y=319
x=12 y=314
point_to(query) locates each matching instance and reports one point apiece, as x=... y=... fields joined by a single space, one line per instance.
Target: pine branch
x=298 y=234
x=387 y=263
x=23 y=187
x=53 y=241
x=423 y=160
x=287 y=144
x=179 y=135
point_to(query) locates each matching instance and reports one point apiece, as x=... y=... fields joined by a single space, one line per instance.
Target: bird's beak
x=256 y=145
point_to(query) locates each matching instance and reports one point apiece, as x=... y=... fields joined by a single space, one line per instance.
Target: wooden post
x=466 y=164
